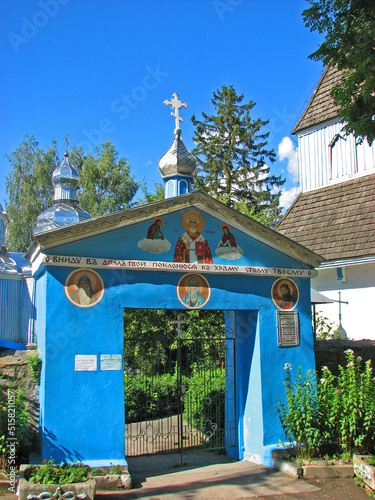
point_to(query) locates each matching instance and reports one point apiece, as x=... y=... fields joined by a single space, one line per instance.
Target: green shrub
x=333 y=415
x=148 y=398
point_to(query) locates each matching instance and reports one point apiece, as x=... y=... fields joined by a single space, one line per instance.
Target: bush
x=333 y=414
x=148 y=398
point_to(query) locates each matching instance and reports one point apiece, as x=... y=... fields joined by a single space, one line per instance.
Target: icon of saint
x=154 y=231
x=192 y=246
x=84 y=295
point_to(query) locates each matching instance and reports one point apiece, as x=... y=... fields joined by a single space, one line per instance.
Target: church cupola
x=65 y=209
x=178 y=165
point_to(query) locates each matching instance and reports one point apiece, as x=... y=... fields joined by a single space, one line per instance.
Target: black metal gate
x=184 y=399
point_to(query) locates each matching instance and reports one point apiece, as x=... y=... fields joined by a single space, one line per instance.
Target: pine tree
x=232 y=154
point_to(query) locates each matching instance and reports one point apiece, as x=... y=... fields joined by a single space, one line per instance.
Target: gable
x=125 y=235
x=321 y=106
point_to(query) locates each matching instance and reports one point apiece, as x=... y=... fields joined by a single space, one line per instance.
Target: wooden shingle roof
x=337 y=222
x=321 y=106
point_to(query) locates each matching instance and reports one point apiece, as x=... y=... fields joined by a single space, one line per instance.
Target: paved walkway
x=207 y=476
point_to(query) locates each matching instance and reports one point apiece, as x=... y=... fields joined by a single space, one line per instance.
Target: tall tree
x=232 y=153
x=106 y=185
x=29 y=189
x=105 y=180
x=349 y=29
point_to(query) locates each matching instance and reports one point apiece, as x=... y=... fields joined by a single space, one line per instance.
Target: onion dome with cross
x=65 y=209
x=178 y=165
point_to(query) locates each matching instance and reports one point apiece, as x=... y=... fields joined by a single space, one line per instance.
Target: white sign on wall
x=85 y=363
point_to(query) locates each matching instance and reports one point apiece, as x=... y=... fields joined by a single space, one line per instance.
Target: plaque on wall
x=85 y=363
x=111 y=362
x=288 y=328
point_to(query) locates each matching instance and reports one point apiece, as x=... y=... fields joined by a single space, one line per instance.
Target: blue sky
x=102 y=69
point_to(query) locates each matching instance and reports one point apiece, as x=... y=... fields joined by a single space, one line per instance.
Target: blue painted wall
x=82 y=413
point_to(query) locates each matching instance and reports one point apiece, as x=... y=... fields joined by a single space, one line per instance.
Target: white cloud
x=288 y=196
x=288 y=152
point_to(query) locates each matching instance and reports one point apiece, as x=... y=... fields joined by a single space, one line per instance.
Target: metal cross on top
x=67 y=141
x=176 y=104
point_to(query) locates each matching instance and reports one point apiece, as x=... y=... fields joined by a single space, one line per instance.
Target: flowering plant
x=50 y=473
x=330 y=414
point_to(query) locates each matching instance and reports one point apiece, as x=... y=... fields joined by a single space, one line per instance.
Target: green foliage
x=324 y=328
x=49 y=473
x=29 y=189
x=105 y=180
x=14 y=423
x=232 y=153
x=148 y=398
x=35 y=364
x=335 y=414
x=299 y=417
x=204 y=404
x=157 y=195
x=150 y=336
x=349 y=29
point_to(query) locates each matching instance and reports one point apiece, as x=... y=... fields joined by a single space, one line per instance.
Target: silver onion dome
x=65 y=174
x=65 y=209
x=178 y=160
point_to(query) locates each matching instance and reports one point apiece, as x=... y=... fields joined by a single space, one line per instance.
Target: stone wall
x=331 y=353
x=15 y=373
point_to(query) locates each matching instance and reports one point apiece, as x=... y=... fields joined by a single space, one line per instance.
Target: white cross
x=178 y=322
x=176 y=104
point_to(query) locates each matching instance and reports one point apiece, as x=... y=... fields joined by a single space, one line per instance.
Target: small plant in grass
x=97 y=472
x=35 y=364
x=115 y=469
x=50 y=473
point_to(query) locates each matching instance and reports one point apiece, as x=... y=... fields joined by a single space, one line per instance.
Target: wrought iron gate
x=183 y=399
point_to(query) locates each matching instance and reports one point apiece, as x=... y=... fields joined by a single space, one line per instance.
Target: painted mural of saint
x=193 y=298
x=285 y=293
x=192 y=246
x=84 y=288
x=84 y=294
x=193 y=291
x=227 y=239
x=154 y=231
x=288 y=301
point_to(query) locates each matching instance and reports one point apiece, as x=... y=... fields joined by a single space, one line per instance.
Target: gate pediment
x=171 y=234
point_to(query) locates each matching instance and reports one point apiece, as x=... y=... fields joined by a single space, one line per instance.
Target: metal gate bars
x=182 y=398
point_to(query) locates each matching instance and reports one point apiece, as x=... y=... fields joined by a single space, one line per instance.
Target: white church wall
x=358 y=316
x=327 y=156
